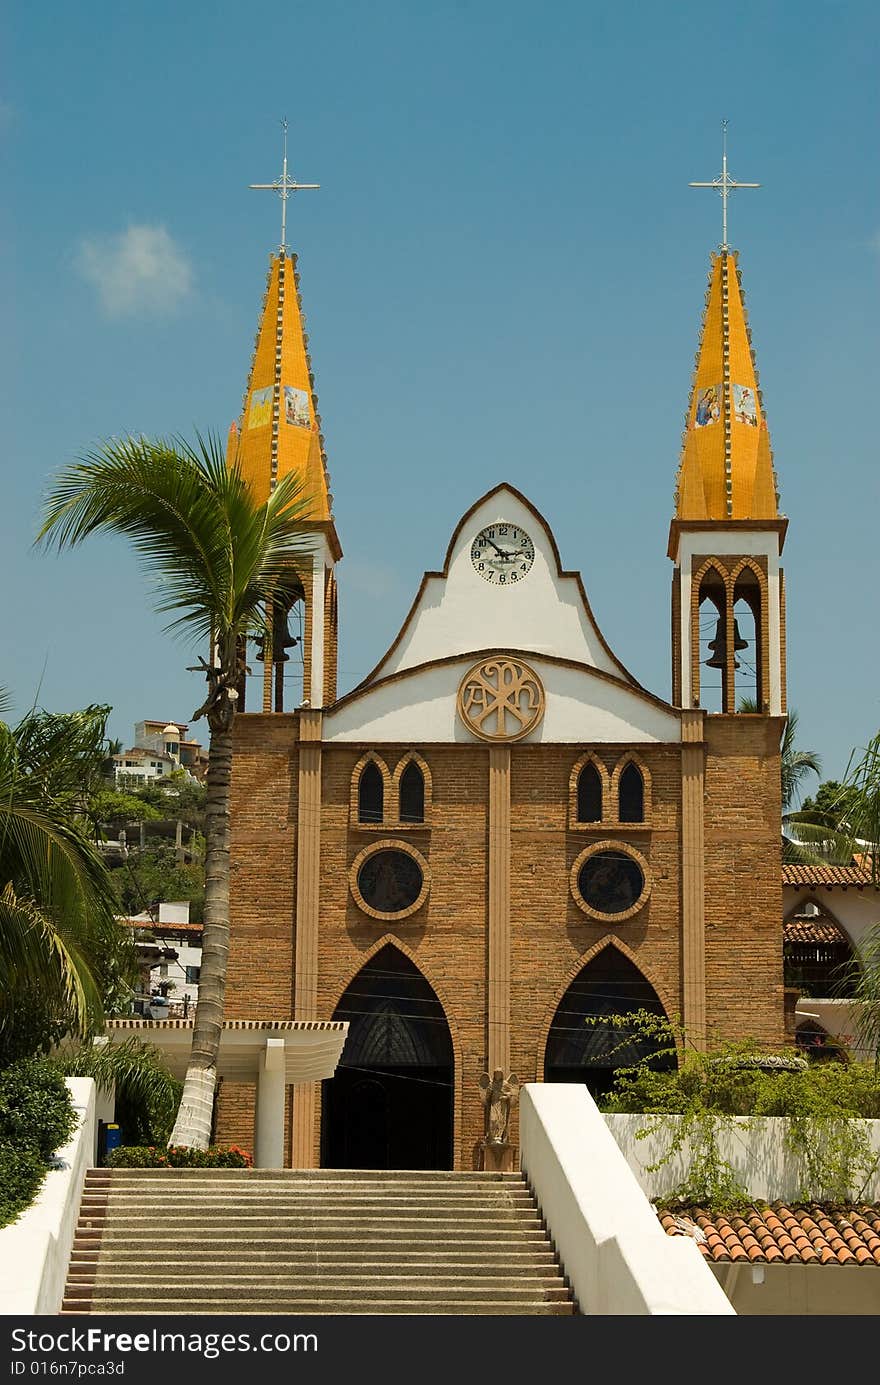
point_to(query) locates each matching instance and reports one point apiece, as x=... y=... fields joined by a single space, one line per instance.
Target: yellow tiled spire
x=279 y=430
x=726 y=469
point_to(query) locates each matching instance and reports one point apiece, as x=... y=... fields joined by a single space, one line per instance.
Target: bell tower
x=726 y=537
x=279 y=433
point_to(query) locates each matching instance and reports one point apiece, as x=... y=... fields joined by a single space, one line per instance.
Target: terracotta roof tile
x=826 y=875
x=811 y=1234
x=813 y=930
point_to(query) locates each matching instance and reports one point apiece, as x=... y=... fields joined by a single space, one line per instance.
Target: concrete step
x=190 y=1202
x=182 y=1275
x=433 y=1176
x=175 y=1242
x=485 y=1282
x=309 y=1253
x=316 y=1221
x=148 y=1307
x=473 y=1245
x=497 y=1292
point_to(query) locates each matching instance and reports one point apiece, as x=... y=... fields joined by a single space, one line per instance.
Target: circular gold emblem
x=501 y=700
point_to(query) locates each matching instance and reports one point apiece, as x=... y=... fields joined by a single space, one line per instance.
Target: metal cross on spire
x=725 y=185
x=284 y=186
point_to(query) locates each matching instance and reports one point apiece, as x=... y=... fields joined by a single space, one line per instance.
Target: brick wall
x=447 y=936
x=744 y=878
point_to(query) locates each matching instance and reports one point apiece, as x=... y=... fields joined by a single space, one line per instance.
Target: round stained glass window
x=610 y=882
x=390 y=881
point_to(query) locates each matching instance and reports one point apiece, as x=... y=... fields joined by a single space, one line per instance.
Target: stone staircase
x=175 y=1241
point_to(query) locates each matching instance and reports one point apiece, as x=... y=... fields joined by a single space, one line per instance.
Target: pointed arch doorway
x=390 y=1103
x=609 y=985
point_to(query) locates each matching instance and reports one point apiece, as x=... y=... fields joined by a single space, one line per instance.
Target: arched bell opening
x=711 y=675
x=281 y=675
x=390 y=1103
x=584 y=1044
x=747 y=650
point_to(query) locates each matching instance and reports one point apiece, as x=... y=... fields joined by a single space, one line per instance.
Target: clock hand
x=495 y=546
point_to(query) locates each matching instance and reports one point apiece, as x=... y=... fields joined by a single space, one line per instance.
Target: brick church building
x=500 y=832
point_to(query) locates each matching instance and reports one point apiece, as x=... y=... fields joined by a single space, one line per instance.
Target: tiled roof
x=825 y=875
x=161 y=928
x=813 y=930
x=776 y=1233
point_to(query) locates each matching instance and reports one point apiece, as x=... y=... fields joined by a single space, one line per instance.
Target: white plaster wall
x=749 y=543
x=801 y=1290
x=187 y=956
x=855 y=909
x=35 y=1250
x=757 y=1154
x=580 y=707
x=758 y=543
x=839 y=1019
x=618 y=1258
x=543 y=613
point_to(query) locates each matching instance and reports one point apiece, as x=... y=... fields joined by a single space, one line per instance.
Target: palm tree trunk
x=192 y=1127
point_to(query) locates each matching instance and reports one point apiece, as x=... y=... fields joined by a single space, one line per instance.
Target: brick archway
x=609 y=980
x=391 y=1103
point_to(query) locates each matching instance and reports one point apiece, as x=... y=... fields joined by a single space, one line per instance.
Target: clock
x=502 y=554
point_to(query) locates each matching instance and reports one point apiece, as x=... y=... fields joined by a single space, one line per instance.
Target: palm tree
x=59 y=941
x=221 y=558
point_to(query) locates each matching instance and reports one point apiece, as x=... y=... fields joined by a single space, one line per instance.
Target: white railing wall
x=35 y=1250
x=755 y=1147
x=617 y=1257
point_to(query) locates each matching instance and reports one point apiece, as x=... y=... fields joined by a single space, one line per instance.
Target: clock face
x=502 y=554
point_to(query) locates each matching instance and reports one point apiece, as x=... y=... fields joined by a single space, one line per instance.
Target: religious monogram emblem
x=501 y=700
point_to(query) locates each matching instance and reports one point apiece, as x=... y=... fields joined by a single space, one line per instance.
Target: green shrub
x=36 y=1111
x=825 y=1106
x=21 y=1173
x=178 y=1157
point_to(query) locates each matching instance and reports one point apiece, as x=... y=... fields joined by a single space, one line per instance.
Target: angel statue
x=498 y=1093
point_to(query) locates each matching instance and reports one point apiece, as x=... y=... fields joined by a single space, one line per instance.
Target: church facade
x=500 y=834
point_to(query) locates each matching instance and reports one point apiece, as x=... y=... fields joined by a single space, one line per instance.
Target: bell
x=719 y=645
x=282 y=640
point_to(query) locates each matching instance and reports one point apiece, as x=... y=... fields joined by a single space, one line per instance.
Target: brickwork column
x=308 y=869
x=693 y=920
x=498 y=969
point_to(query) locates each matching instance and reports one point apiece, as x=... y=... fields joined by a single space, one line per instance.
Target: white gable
x=581 y=707
x=544 y=613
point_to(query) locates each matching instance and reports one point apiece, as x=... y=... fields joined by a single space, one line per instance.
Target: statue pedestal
x=497 y=1156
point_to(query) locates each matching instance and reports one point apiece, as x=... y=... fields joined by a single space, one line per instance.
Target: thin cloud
x=141 y=270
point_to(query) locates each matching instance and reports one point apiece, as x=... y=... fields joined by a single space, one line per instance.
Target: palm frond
x=863 y=805
x=864 y=981
x=35 y=954
x=132 y=1068
x=215 y=552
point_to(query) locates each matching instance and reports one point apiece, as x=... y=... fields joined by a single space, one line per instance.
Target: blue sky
x=503 y=276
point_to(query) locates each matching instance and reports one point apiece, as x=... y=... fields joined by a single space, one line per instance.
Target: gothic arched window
x=631 y=795
x=371 y=794
x=412 y=794
x=589 y=795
